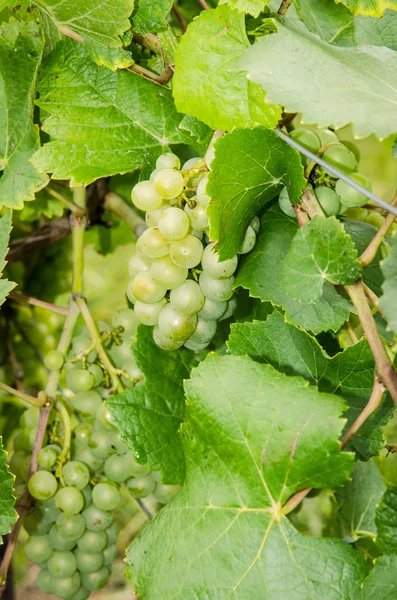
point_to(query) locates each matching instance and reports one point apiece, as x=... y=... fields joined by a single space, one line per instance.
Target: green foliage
x=369 y=7
x=8 y=515
x=388 y=300
x=150 y=15
x=5 y=230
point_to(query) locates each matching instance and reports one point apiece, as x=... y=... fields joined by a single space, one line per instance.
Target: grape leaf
x=375 y=8
x=260 y=272
x=43 y=205
x=90 y=106
x=148 y=416
x=349 y=374
x=377 y=32
x=206 y=83
x=112 y=58
x=20 y=56
x=388 y=300
x=320 y=251
x=5 y=230
x=332 y=86
x=362 y=234
x=253 y=7
x=8 y=515
x=250 y=168
x=252 y=437
x=150 y=16
x=332 y=22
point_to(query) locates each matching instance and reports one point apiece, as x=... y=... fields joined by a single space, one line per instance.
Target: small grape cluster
x=71 y=526
x=178 y=283
x=335 y=196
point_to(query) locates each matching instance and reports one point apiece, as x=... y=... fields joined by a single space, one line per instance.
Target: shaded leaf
x=253 y=7
x=8 y=515
x=150 y=16
x=5 y=230
x=388 y=302
x=375 y=8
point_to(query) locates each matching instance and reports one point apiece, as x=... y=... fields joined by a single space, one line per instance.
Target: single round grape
x=164 y=493
x=342 y=158
x=45 y=582
x=54 y=360
x=167 y=274
x=112 y=533
x=92 y=542
x=58 y=541
x=87 y=403
x=17 y=460
x=89 y=562
x=187 y=298
x=375 y=219
x=148 y=314
x=75 y=474
x=62 y=564
x=168 y=161
x=218 y=290
x=97 y=373
x=204 y=332
x=192 y=345
x=212 y=310
x=82 y=594
x=140 y=487
x=97 y=519
x=152 y=243
x=165 y=342
x=169 y=183
x=306 y=138
x=145 y=196
x=285 y=204
x=358 y=214
x=126 y=319
x=86 y=456
x=87 y=493
x=104 y=418
x=186 y=253
x=174 y=223
x=79 y=380
x=121 y=353
x=30 y=417
x=106 y=496
x=326 y=136
x=47 y=457
x=191 y=163
x=202 y=196
x=25 y=439
x=350 y=197
x=99 y=444
x=134 y=468
x=80 y=343
x=48 y=510
x=256 y=225
x=69 y=500
x=328 y=200
x=146 y=289
x=110 y=555
x=34 y=524
x=175 y=324
x=198 y=216
x=214 y=266
x=116 y=444
x=82 y=434
x=42 y=485
x=152 y=217
x=249 y=241
x=70 y=527
x=38 y=549
x=67 y=587
x=116 y=469
x=138 y=264
x=231 y=307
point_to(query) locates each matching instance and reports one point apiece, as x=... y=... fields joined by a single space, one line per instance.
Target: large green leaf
x=362 y=234
x=5 y=230
x=8 y=515
x=332 y=86
x=260 y=272
x=388 y=301
x=377 y=32
x=253 y=437
x=206 y=83
x=148 y=416
x=375 y=8
x=101 y=122
x=253 y=7
x=320 y=251
x=349 y=374
x=150 y=16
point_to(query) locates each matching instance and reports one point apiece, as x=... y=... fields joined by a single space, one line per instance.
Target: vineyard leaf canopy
x=354 y=85
x=5 y=230
x=8 y=516
x=250 y=168
x=253 y=7
x=375 y=8
x=388 y=300
x=206 y=83
x=253 y=437
x=150 y=16
x=102 y=122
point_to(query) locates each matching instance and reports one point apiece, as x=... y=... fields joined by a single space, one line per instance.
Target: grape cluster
x=333 y=195
x=178 y=284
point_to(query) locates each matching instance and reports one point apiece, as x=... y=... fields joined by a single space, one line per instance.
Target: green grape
x=71 y=528
x=198 y=216
x=82 y=434
x=285 y=204
x=256 y=224
x=192 y=345
x=59 y=542
x=168 y=161
x=350 y=197
x=164 y=493
x=148 y=314
x=375 y=219
x=186 y=253
x=45 y=582
x=67 y=587
x=152 y=217
x=218 y=290
x=62 y=564
x=100 y=444
x=187 y=298
x=17 y=460
x=174 y=223
x=54 y=360
x=134 y=468
x=86 y=456
x=357 y=214
x=81 y=343
x=87 y=493
x=76 y=474
x=25 y=439
x=204 y=332
x=87 y=403
x=328 y=200
x=191 y=163
x=42 y=485
x=47 y=457
x=146 y=289
x=340 y=157
x=249 y=241
x=306 y=138
x=165 y=342
x=138 y=264
x=30 y=417
x=104 y=418
x=97 y=373
x=25 y=469
x=175 y=324
x=112 y=533
x=82 y=594
x=97 y=519
x=116 y=444
x=116 y=468
x=214 y=266
x=69 y=500
x=152 y=243
x=106 y=496
x=89 y=562
x=121 y=353
x=140 y=487
x=126 y=319
x=326 y=136
x=168 y=183
x=167 y=274
x=92 y=542
x=48 y=510
x=202 y=196
x=145 y=196
x=231 y=307
x=110 y=555
x=79 y=380
x=38 y=549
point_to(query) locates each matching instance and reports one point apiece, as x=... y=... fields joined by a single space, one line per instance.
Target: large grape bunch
x=178 y=284
x=71 y=527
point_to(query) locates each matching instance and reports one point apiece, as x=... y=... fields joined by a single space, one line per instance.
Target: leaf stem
x=370 y=252
x=67 y=434
x=373 y=298
x=373 y=403
x=310 y=203
x=205 y=6
x=17 y=297
x=115 y=204
x=301 y=216
x=284 y=6
x=40 y=400
x=78 y=228
x=77 y=210
x=161 y=79
x=179 y=18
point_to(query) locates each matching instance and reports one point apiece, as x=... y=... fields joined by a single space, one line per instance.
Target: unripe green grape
x=174 y=223
x=16 y=461
x=169 y=183
x=34 y=525
x=54 y=360
x=97 y=373
x=148 y=314
x=62 y=564
x=106 y=496
x=256 y=224
x=152 y=243
x=168 y=274
x=285 y=203
x=168 y=161
x=341 y=158
x=99 y=444
x=92 y=542
x=328 y=200
x=202 y=196
x=146 y=289
x=164 y=493
x=145 y=196
x=231 y=307
x=375 y=219
x=70 y=527
x=42 y=485
x=306 y=138
x=186 y=253
x=116 y=468
x=89 y=562
x=121 y=353
x=165 y=342
x=82 y=594
x=112 y=533
x=134 y=468
x=153 y=174
x=218 y=290
x=204 y=332
x=175 y=324
x=87 y=493
x=75 y=474
x=116 y=444
x=48 y=510
x=214 y=266
x=109 y=555
x=326 y=136
x=38 y=549
x=349 y=196
x=138 y=264
x=104 y=419
x=249 y=241
x=191 y=163
x=195 y=346
x=357 y=214
x=58 y=541
x=30 y=417
x=86 y=456
x=126 y=319
x=69 y=500
x=25 y=439
x=187 y=298
x=87 y=403
x=82 y=434
x=67 y=587
x=45 y=582
x=212 y=310
x=140 y=487
x=152 y=217
x=79 y=380
x=97 y=519
x=198 y=216
x=47 y=457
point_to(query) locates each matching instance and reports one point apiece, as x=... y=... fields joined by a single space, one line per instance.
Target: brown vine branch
x=116 y=205
x=40 y=400
x=284 y=6
x=370 y=252
x=17 y=297
x=48 y=234
x=161 y=79
x=203 y=4
x=373 y=298
x=179 y=17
